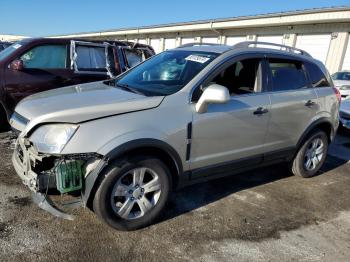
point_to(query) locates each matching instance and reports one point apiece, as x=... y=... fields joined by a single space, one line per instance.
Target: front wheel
x=311 y=155
x=132 y=193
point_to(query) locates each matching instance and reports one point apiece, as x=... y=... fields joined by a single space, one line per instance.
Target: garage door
x=275 y=39
x=210 y=40
x=169 y=43
x=143 y=41
x=346 y=64
x=232 y=40
x=155 y=43
x=316 y=45
x=187 y=40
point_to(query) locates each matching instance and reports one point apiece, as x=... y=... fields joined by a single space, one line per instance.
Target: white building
x=324 y=33
x=11 y=38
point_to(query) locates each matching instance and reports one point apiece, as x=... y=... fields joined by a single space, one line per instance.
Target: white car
x=342 y=83
x=344 y=113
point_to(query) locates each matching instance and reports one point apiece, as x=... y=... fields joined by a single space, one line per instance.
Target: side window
x=134 y=56
x=45 y=57
x=243 y=77
x=317 y=77
x=91 y=58
x=287 y=75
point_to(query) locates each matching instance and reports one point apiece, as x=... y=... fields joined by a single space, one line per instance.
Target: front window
x=10 y=50
x=45 y=57
x=166 y=73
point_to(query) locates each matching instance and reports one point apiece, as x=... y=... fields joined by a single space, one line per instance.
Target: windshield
x=341 y=76
x=8 y=51
x=166 y=73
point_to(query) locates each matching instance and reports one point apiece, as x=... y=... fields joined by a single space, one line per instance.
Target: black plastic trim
x=312 y=126
x=147 y=142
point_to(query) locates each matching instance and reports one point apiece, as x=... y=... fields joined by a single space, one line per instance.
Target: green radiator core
x=69 y=175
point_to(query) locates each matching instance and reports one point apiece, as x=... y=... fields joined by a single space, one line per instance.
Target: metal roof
x=236 y=18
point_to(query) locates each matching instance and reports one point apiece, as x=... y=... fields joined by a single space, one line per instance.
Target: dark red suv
x=35 y=65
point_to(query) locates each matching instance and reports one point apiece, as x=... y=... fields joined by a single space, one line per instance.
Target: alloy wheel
x=314 y=154
x=135 y=193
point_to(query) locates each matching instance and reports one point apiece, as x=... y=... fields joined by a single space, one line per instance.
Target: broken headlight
x=51 y=139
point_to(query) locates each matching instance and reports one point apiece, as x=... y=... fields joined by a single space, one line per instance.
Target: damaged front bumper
x=67 y=174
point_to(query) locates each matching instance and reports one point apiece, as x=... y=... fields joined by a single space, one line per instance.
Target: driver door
x=235 y=132
x=44 y=68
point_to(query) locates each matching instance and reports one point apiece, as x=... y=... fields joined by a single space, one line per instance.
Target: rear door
x=91 y=61
x=294 y=102
x=45 y=67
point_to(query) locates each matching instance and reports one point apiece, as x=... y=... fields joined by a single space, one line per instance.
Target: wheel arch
x=152 y=147
x=323 y=124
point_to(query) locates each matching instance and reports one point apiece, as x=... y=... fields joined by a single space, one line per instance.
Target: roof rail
x=194 y=44
x=286 y=48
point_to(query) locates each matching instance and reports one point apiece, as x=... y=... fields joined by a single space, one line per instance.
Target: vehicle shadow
x=200 y=195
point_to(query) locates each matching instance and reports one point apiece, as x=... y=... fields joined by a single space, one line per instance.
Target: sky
x=53 y=17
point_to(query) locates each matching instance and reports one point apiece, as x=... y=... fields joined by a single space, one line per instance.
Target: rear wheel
x=311 y=155
x=133 y=193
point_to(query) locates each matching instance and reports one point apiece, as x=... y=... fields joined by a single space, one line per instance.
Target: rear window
x=287 y=75
x=91 y=58
x=317 y=77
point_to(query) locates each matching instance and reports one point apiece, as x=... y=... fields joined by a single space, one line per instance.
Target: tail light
x=337 y=93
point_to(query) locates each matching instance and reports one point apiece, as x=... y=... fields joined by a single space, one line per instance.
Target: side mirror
x=17 y=65
x=215 y=94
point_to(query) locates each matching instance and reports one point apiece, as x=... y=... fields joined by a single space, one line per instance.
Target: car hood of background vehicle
x=345 y=106
x=339 y=83
x=81 y=103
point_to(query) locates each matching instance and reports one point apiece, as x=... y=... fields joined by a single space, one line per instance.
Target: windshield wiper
x=130 y=89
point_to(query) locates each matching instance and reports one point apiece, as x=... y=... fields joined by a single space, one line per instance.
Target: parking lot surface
x=264 y=215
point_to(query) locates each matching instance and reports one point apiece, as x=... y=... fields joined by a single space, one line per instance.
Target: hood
x=81 y=103
x=339 y=83
x=345 y=106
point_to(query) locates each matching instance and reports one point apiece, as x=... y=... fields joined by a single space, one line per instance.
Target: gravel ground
x=264 y=215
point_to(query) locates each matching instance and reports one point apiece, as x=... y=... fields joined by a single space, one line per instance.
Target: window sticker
x=197 y=58
x=16 y=46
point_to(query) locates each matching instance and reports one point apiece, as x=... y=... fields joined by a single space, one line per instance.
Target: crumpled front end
x=46 y=174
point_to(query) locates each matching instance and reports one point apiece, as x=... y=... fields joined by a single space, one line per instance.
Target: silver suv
x=189 y=114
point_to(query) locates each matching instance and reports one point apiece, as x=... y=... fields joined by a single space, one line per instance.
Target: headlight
x=52 y=138
x=344 y=88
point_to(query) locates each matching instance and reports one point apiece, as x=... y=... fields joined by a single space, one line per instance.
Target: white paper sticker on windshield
x=16 y=46
x=197 y=58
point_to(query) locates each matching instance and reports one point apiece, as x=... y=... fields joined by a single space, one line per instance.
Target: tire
x=4 y=125
x=300 y=165
x=118 y=179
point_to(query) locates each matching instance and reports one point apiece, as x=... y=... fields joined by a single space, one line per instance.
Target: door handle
x=260 y=111
x=310 y=103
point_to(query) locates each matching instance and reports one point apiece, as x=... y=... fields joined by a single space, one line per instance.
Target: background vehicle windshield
x=166 y=73
x=8 y=51
x=341 y=76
